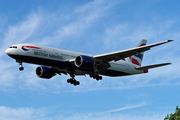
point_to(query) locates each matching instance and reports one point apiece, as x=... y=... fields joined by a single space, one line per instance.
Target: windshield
x=13 y=47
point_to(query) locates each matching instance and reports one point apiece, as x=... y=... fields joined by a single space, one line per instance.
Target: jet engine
x=44 y=72
x=83 y=61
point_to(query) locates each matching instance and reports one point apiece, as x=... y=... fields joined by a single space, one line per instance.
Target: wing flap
x=152 y=66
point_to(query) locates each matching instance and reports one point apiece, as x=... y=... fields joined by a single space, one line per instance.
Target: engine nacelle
x=44 y=72
x=84 y=61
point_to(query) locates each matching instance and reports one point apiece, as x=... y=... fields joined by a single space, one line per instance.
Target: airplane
x=55 y=61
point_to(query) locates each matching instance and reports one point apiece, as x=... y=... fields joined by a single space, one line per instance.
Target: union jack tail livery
x=137 y=59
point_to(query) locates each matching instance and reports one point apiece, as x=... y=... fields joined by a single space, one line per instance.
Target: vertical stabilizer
x=137 y=59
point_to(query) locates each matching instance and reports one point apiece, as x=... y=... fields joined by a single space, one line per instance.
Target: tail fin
x=137 y=59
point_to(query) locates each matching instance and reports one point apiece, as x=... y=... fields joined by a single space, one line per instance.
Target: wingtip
x=167 y=63
x=170 y=40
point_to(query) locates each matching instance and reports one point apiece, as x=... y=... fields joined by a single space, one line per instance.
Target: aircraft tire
x=68 y=80
x=78 y=83
x=21 y=68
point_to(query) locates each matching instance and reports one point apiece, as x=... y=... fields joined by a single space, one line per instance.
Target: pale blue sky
x=93 y=27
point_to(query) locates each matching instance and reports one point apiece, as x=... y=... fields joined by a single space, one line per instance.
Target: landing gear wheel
x=97 y=77
x=100 y=77
x=21 y=68
x=77 y=83
x=73 y=81
x=20 y=63
x=68 y=80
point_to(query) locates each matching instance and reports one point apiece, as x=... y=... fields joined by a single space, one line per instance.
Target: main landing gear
x=97 y=77
x=73 y=81
x=20 y=63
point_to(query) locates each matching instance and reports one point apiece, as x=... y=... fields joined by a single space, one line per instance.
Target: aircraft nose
x=11 y=51
x=7 y=51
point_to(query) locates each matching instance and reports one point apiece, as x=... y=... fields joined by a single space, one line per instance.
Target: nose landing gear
x=21 y=68
x=20 y=63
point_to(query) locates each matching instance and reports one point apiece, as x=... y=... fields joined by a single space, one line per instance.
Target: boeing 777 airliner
x=56 y=61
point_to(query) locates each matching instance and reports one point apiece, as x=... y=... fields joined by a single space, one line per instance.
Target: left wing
x=126 y=53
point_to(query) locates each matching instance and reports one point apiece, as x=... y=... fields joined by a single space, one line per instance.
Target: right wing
x=126 y=53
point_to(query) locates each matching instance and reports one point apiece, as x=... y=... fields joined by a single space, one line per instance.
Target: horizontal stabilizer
x=152 y=66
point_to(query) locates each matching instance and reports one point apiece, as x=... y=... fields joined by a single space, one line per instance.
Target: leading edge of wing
x=126 y=53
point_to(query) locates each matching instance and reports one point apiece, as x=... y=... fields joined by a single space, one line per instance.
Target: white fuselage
x=54 y=57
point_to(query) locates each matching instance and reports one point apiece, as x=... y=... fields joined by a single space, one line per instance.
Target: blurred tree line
x=175 y=116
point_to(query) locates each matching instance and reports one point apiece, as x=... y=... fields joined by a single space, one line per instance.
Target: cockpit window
x=13 y=47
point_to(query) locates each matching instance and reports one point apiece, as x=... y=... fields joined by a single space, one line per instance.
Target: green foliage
x=175 y=116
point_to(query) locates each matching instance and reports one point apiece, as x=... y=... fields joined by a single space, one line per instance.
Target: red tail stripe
x=142 y=45
x=134 y=61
